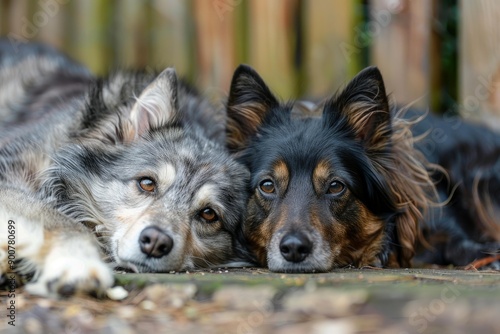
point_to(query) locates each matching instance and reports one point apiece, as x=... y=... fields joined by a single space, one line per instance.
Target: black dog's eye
x=336 y=187
x=267 y=186
x=147 y=184
x=209 y=215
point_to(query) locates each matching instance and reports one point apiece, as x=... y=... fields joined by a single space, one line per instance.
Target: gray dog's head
x=159 y=193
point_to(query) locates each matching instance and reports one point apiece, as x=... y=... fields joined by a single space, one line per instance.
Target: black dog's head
x=326 y=192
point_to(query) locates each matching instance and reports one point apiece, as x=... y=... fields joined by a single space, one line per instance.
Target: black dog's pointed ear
x=249 y=101
x=365 y=107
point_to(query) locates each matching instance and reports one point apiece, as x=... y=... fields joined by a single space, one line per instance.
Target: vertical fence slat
x=88 y=41
x=330 y=51
x=215 y=47
x=241 y=32
x=3 y=18
x=479 y=63
x=272 y=41
x=131 y=33
x=401 y=48
x=20 y=26
x=54 y=32
x=169 y=35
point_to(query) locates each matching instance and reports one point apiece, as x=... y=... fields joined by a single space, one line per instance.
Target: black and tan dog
x=346 y=188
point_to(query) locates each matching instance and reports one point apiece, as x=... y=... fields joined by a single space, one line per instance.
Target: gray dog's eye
x=209 y=215
x=147 y=184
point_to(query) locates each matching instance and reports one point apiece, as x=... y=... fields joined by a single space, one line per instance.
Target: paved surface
x=256 y=301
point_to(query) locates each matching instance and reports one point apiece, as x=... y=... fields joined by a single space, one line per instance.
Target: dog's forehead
x=191 y=168
x=308 y=152
x=206 y=192
x=177 y=146
x=167 y=173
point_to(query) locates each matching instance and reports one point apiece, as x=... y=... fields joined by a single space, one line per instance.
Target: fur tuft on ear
x=247 y=106
x=155 y=107
x=365 y=107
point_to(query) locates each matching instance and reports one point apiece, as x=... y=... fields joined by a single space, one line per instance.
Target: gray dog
x=131 y=169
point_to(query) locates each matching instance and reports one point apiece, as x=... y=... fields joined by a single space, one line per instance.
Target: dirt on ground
x=256 y=301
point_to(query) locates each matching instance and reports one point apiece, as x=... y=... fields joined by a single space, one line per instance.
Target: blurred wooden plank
x=55 y=32
x=272 y=36
x=401 y=47
x=87 y=36
x=436 y=75
x=215 y=43
x=170 y=40
x=241 y=29
x=131 y=33
x=479 y=64
x=3 y=18
x=19 y=24
x=27 y=21
x=331 y=55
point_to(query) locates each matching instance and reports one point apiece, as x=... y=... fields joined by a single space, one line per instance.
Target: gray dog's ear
x=155 y=107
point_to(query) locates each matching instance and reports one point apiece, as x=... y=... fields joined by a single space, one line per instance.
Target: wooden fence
x=437 y=53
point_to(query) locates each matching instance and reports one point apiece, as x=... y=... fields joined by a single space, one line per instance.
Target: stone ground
x=256 y=301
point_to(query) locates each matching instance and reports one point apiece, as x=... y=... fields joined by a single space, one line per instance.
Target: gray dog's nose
x=295 y=247
x=154 y=242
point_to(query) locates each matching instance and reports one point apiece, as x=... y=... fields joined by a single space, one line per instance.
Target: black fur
x=467 y=152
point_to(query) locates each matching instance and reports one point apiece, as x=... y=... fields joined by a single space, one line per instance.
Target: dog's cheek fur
x=353 y=234
x=360 y=237
x=212 y=246
x=258 y=227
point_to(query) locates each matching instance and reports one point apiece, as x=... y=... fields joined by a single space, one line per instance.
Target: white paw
x=72 y=268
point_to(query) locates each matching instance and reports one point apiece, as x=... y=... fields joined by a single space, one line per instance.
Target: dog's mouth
x=303 y=268
x=132 y=266
x=299 y=270
x=142 y=267
x=314 y=263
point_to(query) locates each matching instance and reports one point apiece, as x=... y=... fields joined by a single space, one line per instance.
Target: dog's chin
x=145 y=267
x=320 y=260
x=307 y=266
x=297 y=269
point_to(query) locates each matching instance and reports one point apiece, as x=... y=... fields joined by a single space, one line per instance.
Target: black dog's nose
x=154 y=242
x=295 y=247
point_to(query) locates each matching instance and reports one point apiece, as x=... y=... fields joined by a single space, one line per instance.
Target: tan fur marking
x=281 y=173
x=249 y=118
x=373 y=232
x=93 y=274
x=361 y=113
x=363 y=248
x=321 y=174
x=260 y=237
x=48 y=241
